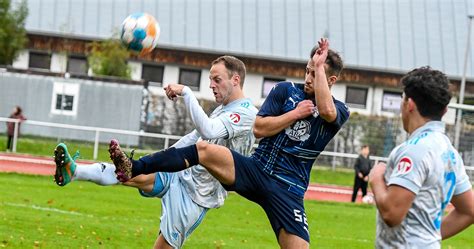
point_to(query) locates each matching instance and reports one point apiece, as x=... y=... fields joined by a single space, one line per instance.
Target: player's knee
x=202 y=148
x=138 y=180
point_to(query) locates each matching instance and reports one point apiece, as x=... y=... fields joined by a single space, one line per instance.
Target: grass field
x=45 y=146
x=35 y=213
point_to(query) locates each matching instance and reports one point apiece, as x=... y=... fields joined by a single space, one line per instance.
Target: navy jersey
x=290 y=154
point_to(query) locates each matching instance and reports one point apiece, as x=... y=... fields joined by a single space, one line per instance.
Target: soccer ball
x=140 y=32
x=368 y=199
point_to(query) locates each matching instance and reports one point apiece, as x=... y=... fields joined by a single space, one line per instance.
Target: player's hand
x=360 y=175
x=304 y=109
x=173 y=91
x=366 y=178
x=377 y=172
x=319 y=58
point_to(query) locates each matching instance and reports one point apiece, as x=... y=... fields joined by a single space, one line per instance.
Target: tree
x=12 y=30
x=109 y=58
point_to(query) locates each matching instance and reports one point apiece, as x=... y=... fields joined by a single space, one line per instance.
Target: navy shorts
x=284 y=208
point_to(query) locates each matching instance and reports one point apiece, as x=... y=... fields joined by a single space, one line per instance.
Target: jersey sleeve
x=272 y=106
x=208 y=128
x=409 y=170
x=189 y=139
x=462 y=180
x=342 y=113
x=238 y=120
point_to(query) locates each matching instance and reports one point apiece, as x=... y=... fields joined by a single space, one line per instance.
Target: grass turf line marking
x=342 y=238
x=46 y=209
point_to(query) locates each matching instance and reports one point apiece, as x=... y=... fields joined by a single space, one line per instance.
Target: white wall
x=204 y=91
x=339 y=91
x=170 y=74
x=450 y=116
x=58 y=63
x=136 y=70
x=21 y=62
x=252 y=86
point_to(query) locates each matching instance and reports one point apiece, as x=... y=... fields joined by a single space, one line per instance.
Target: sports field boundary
x=38 y=165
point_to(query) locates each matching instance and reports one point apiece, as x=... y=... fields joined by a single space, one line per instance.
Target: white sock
x=99 y=173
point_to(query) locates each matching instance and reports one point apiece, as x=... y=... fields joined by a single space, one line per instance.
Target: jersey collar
x=436 y=126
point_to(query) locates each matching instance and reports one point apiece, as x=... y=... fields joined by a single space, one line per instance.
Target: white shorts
x=180 y=215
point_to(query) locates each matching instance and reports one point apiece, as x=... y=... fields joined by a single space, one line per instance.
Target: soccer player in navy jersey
x=296 y=122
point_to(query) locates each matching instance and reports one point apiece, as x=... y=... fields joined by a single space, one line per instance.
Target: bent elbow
x=391 y=219
x=329 y=115
x=206 y=134
x=257 y=133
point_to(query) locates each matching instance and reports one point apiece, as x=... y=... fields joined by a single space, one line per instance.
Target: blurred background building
x=378 y=40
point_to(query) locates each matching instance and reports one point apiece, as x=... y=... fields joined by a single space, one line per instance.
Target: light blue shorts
x=180 y=215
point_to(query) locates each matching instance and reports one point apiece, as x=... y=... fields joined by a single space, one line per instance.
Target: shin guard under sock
x=169 y=160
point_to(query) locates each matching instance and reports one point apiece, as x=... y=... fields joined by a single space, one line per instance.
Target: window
x=356 y=97
x=268 y=84
x=67 y=104
x=39 y=60
x=153 y=73
x=77 y=65
x=190 y=77
x=391 y=101
x=65 y=98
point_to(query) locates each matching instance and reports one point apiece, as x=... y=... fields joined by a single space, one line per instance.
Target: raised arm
x=208 y=128
x=323 y=97
x=272 y=125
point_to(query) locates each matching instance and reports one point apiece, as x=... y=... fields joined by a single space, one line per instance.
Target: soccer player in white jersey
x=193 y=191
x=422 y=175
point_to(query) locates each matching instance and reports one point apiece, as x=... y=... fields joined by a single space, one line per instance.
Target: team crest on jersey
x=404 y=166
x=234 y=117
x=299 y=131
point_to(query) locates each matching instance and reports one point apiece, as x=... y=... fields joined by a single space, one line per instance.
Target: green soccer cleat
x=65 y=165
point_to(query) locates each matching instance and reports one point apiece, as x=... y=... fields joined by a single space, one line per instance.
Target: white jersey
x=429 y=166
x=238 y=118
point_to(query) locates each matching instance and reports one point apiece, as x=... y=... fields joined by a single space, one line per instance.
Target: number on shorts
x=301 y=217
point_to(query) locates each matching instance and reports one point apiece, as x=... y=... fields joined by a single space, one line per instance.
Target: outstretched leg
x=68 y=170
x=216 y=159
x=65 y=165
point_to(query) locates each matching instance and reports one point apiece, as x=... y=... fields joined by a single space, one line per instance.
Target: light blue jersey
x=430 y=167
x=238 y=118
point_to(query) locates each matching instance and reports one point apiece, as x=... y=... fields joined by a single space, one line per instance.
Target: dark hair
x=429 y=89
x=333 y=60
x=364 y=146
x=233 y=65
x=18 y=110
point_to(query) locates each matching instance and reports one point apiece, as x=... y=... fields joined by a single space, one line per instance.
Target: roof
x=393 y=35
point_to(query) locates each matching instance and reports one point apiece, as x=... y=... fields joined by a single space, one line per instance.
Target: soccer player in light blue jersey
x=424 y=174
x=186 y=195
x=296 y=122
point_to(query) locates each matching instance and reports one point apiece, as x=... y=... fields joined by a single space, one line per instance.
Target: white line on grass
x=46 y=209
x=342 y=238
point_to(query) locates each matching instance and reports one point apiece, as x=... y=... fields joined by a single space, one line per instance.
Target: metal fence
x=333 y=157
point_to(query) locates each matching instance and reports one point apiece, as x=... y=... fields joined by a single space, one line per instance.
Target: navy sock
x=169 y=160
